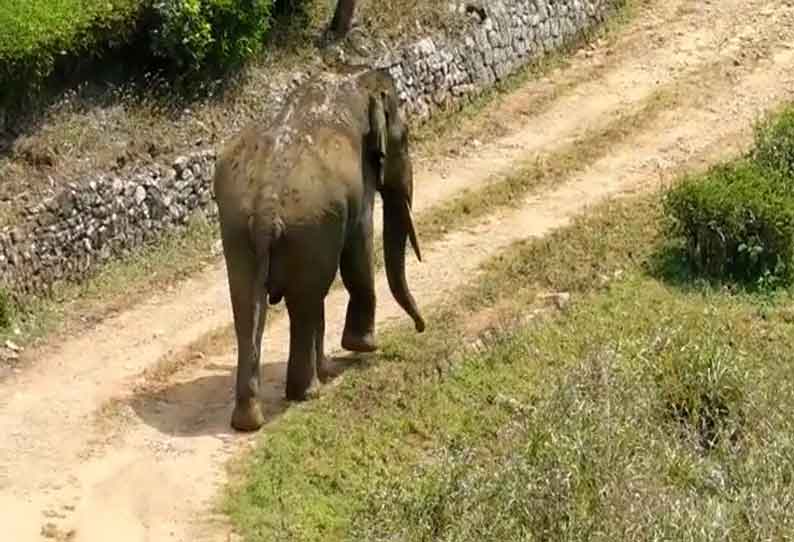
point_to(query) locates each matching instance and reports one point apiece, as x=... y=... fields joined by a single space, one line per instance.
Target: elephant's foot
x=247 y=415
x=324 y=372
x=359 y=343
x=300 y=393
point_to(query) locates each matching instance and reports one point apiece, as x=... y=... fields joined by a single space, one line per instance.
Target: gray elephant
x=295 y=201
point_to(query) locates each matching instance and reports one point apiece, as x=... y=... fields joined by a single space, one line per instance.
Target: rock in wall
x=95 y=219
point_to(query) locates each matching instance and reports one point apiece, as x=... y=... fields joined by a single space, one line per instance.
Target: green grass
x=774 y=141
x=643 y=411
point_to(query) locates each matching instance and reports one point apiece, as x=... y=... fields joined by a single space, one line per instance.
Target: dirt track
x=149 y=466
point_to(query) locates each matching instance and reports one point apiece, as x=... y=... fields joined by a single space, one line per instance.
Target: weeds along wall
x=95 y=219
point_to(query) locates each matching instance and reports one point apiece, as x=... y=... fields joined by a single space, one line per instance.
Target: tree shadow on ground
x=203 y=405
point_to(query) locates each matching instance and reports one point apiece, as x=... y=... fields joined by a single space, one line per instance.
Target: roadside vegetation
x=737 y=219
x=46 y=44
x=36 y=33
x=655 y=404
x=183 y=37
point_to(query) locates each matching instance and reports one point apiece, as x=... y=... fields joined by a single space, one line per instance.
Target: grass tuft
x=7 y=310
x=774 y=143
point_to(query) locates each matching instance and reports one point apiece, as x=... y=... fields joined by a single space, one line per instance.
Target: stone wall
x=504 y=35
x=102 y=217
x=70 y=235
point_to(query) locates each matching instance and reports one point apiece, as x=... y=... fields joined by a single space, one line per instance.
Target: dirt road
x=92 y=449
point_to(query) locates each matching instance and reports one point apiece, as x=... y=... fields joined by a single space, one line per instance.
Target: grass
x=642 y=411
x=152 y=268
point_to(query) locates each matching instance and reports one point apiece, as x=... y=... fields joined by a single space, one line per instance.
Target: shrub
x=737 y=220
x=35 y=33
x=193 y=34
x=774 y=143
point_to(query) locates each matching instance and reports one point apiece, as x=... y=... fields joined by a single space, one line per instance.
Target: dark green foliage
x=737 y=221
x=293 y=7
x=35 y=34
x=193 y=34
x=774 y=143
x=38 y=36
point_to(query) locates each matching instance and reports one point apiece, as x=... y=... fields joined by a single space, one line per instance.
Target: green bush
x=193 y=34
x=34 y=33
x=737 y=220
x=187 y=34
x=774 y=143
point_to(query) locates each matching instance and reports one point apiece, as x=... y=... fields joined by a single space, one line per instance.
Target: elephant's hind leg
x=249 y=320
x=306 y=330
x=358 y=276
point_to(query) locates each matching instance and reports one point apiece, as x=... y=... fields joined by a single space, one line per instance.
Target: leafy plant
x=34 y=34
x=193 y=34
x=737 y=220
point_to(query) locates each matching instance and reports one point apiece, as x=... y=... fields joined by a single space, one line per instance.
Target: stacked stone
x=90 y=222
x=506 y=35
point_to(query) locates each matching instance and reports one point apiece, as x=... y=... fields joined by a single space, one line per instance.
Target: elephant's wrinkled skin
x=295 y=200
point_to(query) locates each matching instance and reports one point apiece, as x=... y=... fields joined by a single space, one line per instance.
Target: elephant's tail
x=265 y=232
x=262 y=237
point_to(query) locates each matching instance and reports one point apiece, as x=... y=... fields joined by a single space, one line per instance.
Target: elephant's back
x=317 y=183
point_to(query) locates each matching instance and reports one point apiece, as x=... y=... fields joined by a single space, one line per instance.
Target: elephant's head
x=394 y=180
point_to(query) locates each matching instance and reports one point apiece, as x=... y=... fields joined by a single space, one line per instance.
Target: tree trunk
x=343 y=17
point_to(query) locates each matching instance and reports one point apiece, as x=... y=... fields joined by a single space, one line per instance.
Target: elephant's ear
x=379 y=129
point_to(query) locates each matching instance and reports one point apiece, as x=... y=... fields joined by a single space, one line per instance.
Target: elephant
x=295 y=200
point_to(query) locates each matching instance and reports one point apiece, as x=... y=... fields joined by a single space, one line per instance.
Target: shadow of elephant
x=201 y=406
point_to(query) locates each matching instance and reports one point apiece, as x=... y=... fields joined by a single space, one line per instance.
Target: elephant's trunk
x=397 y=227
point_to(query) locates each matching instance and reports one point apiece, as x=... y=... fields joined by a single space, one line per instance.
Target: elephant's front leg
x=358 y=275
x=306 y=328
